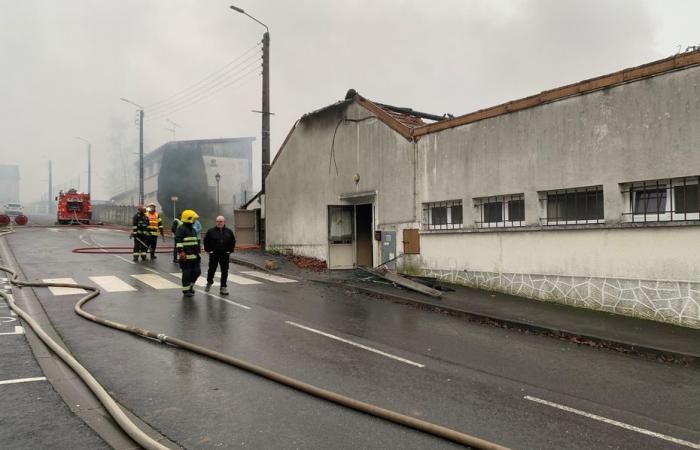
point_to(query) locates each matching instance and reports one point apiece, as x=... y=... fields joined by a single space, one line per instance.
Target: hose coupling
x=162 y=337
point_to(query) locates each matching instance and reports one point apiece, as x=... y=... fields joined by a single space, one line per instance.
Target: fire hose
x=145 y=441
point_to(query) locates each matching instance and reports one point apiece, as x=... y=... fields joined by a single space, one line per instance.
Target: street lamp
x=265 y=98
x=140 y=147
x=217 y=177
x=174 y=199
x=89 y=149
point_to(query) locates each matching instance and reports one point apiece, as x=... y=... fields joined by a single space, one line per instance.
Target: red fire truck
x=73 y=207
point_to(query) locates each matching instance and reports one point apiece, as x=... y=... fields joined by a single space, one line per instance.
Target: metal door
x=389 y=249
x=244 y=227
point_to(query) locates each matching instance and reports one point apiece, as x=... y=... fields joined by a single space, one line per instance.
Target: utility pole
x=49 y=201
x=89 y=161
x=140 y=119
x=265 y=108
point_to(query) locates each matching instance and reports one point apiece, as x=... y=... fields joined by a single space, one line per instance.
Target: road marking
x=202 y=282
x=178 y=274
x=364 y=347
x=63 y=290
x=22 y=380
x=613 y=422
x=267 y=276
x=112 y=284
x=18 y=330
x=53 y=229
x=233 y=278
x=156 y=281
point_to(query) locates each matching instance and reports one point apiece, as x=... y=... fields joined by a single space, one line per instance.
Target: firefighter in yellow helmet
x=188 y=249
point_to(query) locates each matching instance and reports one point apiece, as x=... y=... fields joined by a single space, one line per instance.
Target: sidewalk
x=584 y=326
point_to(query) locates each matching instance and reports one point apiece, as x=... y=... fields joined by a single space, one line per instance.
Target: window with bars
x=661 y=200
x=500 y=211
x=445 y=215
x=573 y=206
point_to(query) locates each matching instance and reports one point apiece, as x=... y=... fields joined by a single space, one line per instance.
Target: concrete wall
x=300 y=185
x=640 y=131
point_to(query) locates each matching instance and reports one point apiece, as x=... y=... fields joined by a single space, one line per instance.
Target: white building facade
x=585 y=195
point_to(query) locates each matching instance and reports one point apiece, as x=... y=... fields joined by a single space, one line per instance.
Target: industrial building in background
x=586 y=194
x=230 y=159
x=9 y=184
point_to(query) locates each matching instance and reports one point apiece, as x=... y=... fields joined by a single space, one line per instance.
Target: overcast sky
x=65 y=64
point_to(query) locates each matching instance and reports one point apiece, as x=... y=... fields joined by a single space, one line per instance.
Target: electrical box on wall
x=378 y=235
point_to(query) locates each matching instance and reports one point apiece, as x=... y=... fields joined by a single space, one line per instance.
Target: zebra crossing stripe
x=156 y=281
x=63 y=290
x=233 y=278
x=267 y=276
x=112 y=284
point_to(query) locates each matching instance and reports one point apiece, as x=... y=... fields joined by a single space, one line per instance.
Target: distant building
x=9 y=184
x=231 y=158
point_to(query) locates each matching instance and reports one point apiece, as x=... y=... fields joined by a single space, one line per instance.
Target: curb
x=495 y=320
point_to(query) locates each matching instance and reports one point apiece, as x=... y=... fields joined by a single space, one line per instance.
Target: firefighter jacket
x=155 y=223
x=219 y=240
x=187 y=243
x=140 y=225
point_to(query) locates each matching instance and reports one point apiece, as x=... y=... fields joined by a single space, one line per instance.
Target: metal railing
x=444 y=215
x=670 y=199
x=500 y=211
x=573 y=206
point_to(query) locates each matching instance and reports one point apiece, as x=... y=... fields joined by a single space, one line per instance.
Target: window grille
x=445 y=215
x=668 y=199
x=500 y=211
x=573 y=206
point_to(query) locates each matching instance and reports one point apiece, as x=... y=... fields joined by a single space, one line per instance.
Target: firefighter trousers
x=190 y=272
x=140 y=248
x=152 y=243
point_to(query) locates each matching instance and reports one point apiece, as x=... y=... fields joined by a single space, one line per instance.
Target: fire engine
x=73 y=207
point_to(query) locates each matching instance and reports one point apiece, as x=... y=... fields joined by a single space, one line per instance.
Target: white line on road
x=18 y=330
x=230 y=302
x=156 y=281
x=267 y=276
x=22 y=380
x=613 y=422
x=63 y=290
x=112 y=284
x=364 y=347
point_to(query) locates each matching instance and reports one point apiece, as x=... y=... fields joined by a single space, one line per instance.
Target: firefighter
x=188 y=249
x=155 y=228
x=139 y=233
x=173 y=227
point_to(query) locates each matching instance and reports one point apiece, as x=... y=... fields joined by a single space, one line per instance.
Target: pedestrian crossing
x=130 y=283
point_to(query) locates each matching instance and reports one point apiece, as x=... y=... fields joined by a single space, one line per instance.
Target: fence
x=119 y=215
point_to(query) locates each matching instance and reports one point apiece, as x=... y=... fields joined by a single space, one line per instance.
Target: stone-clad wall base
x=664 y=301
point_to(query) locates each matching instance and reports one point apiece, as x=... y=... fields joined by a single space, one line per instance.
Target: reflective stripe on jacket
x=139 y=225
x=186 y=240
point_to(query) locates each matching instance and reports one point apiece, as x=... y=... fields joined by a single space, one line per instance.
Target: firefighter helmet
x=189 y=216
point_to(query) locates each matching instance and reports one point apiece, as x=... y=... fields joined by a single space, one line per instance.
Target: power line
x=216 y=80
x=206 y=96
x=205 y=78
x=195 y=98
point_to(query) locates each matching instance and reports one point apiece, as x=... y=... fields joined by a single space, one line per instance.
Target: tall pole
x=89 y=168
x=50 y=202
x=265 y=108
x=141 y=156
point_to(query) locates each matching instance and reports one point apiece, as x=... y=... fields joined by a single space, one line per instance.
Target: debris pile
x=305 y=262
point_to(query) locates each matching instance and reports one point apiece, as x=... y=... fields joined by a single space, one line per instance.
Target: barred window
x=500 y=211
x=661 y=200
x=445 y=215
x=573 y=206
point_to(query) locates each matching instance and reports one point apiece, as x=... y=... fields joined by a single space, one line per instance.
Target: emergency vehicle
x=73 y=207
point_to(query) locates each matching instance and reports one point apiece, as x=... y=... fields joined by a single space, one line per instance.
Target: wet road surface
x=504 y=386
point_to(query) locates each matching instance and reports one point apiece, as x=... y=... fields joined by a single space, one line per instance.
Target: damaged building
x=585 y=195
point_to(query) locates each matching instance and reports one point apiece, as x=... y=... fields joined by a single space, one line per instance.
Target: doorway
x=363 y=238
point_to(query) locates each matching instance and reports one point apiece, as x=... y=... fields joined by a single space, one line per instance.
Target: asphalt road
x=518 y=390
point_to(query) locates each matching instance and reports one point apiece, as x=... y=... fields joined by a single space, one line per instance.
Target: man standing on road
x=187 y=245
x=155 y=228
x=139 y=233
x=219 y=243
x=173 y=227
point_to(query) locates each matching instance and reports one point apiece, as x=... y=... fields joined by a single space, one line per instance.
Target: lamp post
x=217 y=177
x=140 y=147
x=265 y=98
x=174 y=199
x=89 y=149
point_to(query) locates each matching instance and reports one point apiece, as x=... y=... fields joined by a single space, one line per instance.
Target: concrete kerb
x=630 y=348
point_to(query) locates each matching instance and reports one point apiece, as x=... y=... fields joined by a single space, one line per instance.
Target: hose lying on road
x=147 y=442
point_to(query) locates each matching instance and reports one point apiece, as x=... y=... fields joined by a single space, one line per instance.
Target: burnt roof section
x=677 y=62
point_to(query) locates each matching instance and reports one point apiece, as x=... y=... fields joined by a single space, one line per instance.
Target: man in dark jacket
x=219 y=243
x=139 y=233
x=187 y=245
